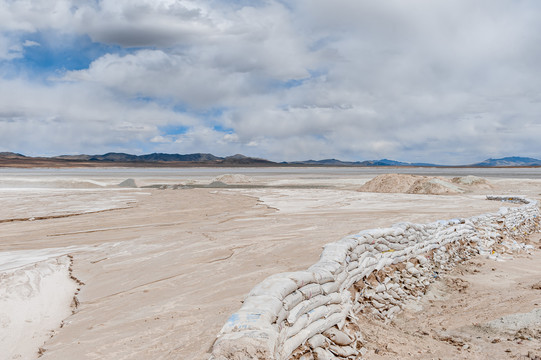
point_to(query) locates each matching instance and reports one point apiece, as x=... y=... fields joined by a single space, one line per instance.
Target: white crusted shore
x=169 y=264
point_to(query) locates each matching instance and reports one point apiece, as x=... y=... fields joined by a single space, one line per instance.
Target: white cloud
x=9 y=48
x=144 y=22
x=73 y=118
x=30 y=43
x=447 y=81
x=162 y=139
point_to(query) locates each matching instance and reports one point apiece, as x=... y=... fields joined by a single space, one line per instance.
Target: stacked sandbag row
x=311 y=313
x=384 y=293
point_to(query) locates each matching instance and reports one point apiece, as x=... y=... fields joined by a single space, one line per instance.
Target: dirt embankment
x=415 y=184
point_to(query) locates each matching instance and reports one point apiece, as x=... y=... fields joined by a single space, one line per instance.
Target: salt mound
x=128 y=183
x=472 y=181
x=434 y=186
x=234 y=179
x=390 y=183
x=410 y=184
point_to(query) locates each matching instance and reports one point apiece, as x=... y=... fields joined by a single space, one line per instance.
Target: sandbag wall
x=375 y=271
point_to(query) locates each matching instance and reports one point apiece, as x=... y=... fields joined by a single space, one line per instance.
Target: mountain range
x=204 y=159
x=510 y=161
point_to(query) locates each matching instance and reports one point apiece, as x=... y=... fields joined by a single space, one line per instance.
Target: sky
x=448 y=81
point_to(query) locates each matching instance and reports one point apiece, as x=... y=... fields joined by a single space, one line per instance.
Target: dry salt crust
x=33 y=299
x=43 y=203
x=164 y=269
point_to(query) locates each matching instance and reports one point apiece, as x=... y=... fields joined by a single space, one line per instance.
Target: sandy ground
x=164 y=269
x=481 y=310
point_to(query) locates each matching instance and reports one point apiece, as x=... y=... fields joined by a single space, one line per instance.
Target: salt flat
x=163 y=269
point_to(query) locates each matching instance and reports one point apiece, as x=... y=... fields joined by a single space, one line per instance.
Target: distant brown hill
x=9 y=159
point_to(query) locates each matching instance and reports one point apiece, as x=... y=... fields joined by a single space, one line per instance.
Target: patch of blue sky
x=319 y=136
x=181 y=108
x=223 y=129
x=323 y=42
x=293 y=83
x=238 y=4
x=53 y=52
x=173 y=129
x=315 y=73
x=209 y=114
x=212 y=112
x=142 y=147
x=146 y=99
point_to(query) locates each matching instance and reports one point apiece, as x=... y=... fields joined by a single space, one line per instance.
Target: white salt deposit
x=21 y=204
x=14 y=260
x=234 y=179
x=34 y=299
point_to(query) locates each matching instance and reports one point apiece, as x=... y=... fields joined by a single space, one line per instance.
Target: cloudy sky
x=450 y=81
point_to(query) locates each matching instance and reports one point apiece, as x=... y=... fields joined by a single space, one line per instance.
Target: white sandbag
x=316 y=327
x=360 y=249
x=377 y=304
x=312 y=316
x=368 y=261
x=367 y=271
x=263 y=304
x=396 y=246
x=338 y=337
x=331 y=287
x=317 y=341
x=350 y=241
x=282 y=315
x=331 y=266
x=297 y=326
x=377 y=233
x=335 y=252
x=302 y=278
x=393 y=311
x=245 y=320
x=323 y=354
x=398 y=253
x=386 y=261
x=311 y=290
x=293 y=300
x=341 y=277
x=353 y=273
x=321 y=312
x=342 y=351
x=307 y=356
x=323 y=276
x=251 y=344
x=306 y=306
x=382 y=247
x=277 y=287
x=352 y=265
x=352 y=279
